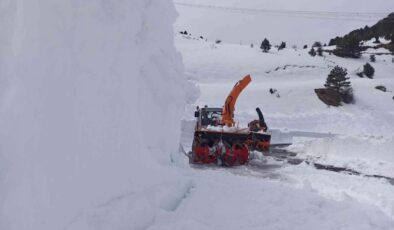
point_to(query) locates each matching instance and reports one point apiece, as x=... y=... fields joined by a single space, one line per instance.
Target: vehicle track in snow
x=291 y=158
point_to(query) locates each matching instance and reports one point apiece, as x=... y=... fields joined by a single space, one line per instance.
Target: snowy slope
x=295 y=74
x=84 y=87
x=295 y=22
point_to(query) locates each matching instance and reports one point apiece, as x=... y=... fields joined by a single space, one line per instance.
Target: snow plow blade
x=225 y=148
x=231 y=138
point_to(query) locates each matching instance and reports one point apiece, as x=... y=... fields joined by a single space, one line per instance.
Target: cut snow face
x=91 y=98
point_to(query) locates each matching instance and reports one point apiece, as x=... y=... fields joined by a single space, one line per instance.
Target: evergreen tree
x=377 y=41
x=334 y=41
x=317 y=44
x=349 y=46
x=265 y=45
x=282 y=46
x=337 y=80
x=320 y=51
x=369 y=71
x=312 y=52
x=372 y=58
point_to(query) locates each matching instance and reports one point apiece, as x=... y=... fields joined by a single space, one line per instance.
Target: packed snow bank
x=91 y=100
x=367 y=154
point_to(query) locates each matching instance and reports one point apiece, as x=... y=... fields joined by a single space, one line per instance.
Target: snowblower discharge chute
x=218 y=141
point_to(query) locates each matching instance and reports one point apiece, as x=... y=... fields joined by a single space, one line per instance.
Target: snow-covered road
x=263 y=192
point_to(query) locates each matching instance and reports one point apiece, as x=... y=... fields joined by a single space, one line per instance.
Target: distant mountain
x=384 y=28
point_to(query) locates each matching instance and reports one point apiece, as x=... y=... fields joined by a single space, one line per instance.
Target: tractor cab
x=207 y=117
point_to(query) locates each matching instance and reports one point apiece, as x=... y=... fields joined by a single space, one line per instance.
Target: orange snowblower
x=218 y=141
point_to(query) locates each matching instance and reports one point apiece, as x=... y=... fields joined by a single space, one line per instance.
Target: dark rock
x=347 y=96
x=381 y=88
x=360 y=74
x=329 y=96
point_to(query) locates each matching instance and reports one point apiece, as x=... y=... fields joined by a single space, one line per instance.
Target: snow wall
x=91 y=96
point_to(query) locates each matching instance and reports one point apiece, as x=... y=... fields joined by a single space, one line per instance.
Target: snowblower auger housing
x=217 y=143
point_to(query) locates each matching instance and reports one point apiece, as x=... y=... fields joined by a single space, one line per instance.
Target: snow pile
x=91 y=96
x=220 y=128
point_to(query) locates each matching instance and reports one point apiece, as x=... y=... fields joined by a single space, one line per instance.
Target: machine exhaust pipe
x=261 y=119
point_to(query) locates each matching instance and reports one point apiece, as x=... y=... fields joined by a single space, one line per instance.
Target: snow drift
x=91 y=96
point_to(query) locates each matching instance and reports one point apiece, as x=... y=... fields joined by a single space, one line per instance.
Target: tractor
x=217 y=140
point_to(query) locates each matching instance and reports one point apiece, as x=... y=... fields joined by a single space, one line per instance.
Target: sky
x=296 y=22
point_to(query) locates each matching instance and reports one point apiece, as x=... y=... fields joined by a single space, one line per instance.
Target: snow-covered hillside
x=295 y=74
x=295 y=22
x=91 y=97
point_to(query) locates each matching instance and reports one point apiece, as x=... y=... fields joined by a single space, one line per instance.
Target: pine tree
x=312 y=52
x=349 y=46
x=282 y=46
x=334 y=41
x=369 y=71
x=320 y=51
x=337 y=80
x=372 y=58
x=265 y=45
x=377 y=41
x=317 y=44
